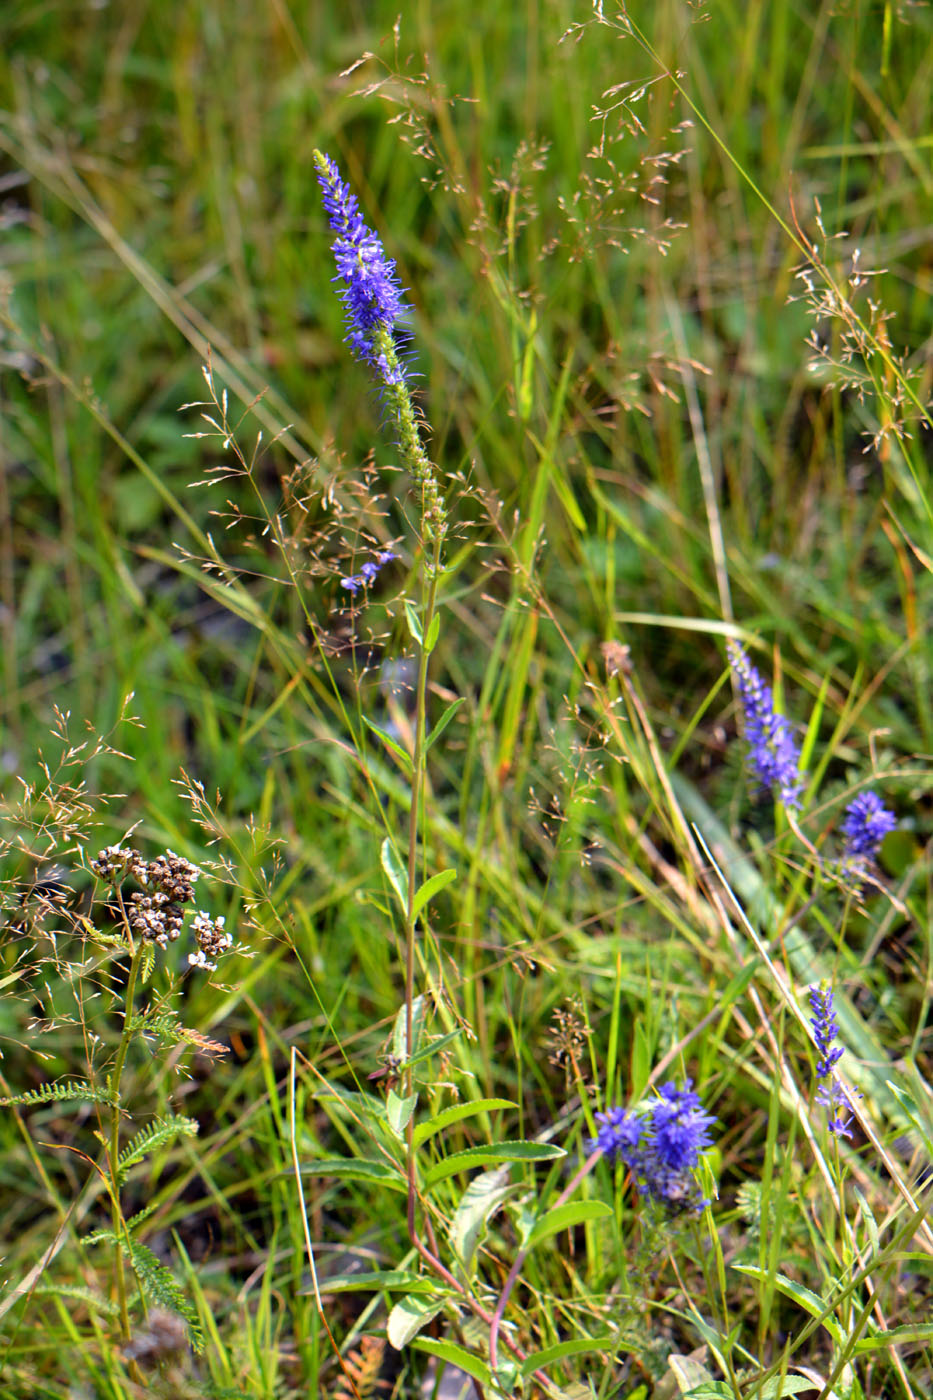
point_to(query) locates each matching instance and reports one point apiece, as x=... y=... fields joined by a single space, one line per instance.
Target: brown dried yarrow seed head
x=155 y=918
x=113 y=862
x=174 y=875
x=212 y=940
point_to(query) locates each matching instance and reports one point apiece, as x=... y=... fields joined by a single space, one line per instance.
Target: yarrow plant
x=136 y=924
x=773 y=752
x=661 y=1144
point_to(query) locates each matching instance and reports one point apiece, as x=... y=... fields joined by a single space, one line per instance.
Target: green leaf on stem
x=443 y=722
x=427 y=1051
x=537 y=1359
x=430 y=888
x=434 y=631
x=455 y=1114
x=374 y=1281
x=400 y=1047
x=146 y=962
x=155 y=1135
x=161 y=1286
x=414 y=621
x=399 y=1111
x=479 y=1202
x=565 y=1218
x=357 y=1169
x=65 y=1091
x=408 y=1317
x=390 y=743
x=456 y=1355
x=398 y=875
x=491 y=1156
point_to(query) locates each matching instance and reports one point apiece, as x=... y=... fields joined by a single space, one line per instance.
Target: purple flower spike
x=825 y=1028
x=865 y=825
x=371 y=295
x=773 y=752
x=831 y=1095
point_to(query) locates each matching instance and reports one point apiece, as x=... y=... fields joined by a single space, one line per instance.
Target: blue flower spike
x=864 y=826
x=772 y=749
x=373 y=305
x=371 y=295
x=831 y=1095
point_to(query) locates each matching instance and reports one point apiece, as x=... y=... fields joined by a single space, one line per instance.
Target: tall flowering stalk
x=373 y=306
x=772 y=750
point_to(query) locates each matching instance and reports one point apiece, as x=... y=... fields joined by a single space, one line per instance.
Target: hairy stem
x=417 y=800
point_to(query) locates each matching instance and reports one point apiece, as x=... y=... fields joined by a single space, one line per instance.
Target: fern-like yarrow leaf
x=152 y=1137
x=159 y=1284
x=66 y=1091
x=164 y=1026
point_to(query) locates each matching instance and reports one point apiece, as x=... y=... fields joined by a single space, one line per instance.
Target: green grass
x=611 y=341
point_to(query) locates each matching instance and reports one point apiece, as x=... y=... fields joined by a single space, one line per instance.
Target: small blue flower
x=865 y=825
x=773 y=752
x=619 y=1135
x=837 y=1102
x=679 y=1128
x=368 y=571
x=660 y=1144
x=371 y=295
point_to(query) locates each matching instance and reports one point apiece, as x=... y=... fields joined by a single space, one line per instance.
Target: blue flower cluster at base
x=660 y=1144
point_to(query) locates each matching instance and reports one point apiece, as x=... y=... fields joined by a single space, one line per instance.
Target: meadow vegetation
x=466 y=804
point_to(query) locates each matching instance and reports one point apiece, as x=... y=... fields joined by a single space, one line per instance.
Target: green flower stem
x=433 y=527
x=417 y=801
x=398 y=397
x=119 y=1225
